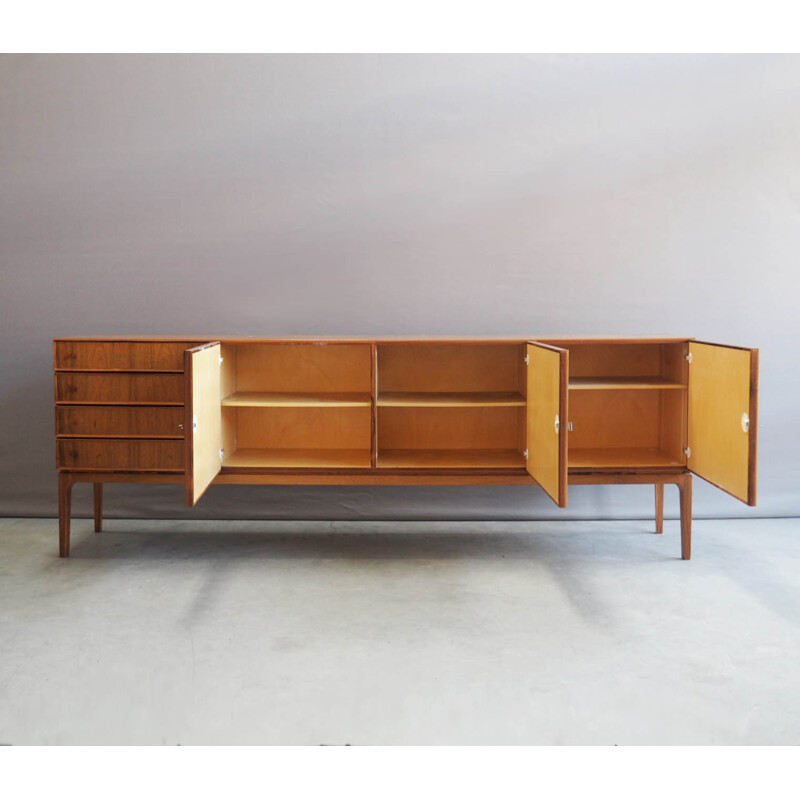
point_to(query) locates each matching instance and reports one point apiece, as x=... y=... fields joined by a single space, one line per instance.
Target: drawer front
x=147 y=455
x=121 y=355
x=119 y=421
x=111 y=387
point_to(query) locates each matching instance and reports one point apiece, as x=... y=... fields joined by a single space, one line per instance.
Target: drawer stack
x=119 y=405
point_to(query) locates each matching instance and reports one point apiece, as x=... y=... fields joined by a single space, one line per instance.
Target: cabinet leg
x=659 y=508
x=685 y=489
x=64 y=512
x=98 y=507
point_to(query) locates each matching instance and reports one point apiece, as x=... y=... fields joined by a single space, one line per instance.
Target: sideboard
x=535 y=411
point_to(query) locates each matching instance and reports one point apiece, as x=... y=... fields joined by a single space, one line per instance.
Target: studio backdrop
x=385 y=195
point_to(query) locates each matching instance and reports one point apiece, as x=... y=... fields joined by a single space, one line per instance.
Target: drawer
x=119 y=421
x=111 y=387
x=155 y=356
x=152 y=455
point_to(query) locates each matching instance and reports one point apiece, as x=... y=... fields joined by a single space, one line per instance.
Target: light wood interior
x=461 y=369
x=459 y=458
x=620 y=458
x=627 y=405
x=298 y=458
x=450 y=406
x=450 y=399
x=288 y=406
x=297 y=400
x=640 y=361
x=305 y=369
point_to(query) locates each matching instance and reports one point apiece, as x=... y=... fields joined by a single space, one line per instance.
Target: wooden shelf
x=627 y=382
x=297 y=399
x=449 y=399
x=620 y=457
x=297 y=458
x=451 y=459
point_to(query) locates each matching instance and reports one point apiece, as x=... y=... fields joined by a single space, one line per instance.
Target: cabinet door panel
x=203 y=419
x=723 y=407
x=548 y=376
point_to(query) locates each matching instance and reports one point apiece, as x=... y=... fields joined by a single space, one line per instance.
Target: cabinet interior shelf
x=297 y=399
x=620 y=457
x=297 y=458
x=627 y=382
x=449 y=399
x=451 y=459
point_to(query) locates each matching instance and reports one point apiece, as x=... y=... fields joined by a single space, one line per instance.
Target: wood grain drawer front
x=119 y=421
x=151 y=455
x=155 y=356
x=111 y=387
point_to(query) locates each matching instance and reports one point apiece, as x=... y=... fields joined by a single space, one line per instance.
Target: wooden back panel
x=285 y=428
x=303 y=368
x=459 y=428
x=628 y=359
x=449 y=368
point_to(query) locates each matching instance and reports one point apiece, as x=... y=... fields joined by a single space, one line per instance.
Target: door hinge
x=221 y=454
x=745 y=422
x=687 y=451
x=221 y=359
x=558 y=424
x=525 y=454
x=527 y=359
x=569 y=427
x=194 y=424
x=688 y=357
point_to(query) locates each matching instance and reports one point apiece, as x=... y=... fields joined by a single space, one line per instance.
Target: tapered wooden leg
x=64 y=512
x=659 y=508
x=685 y=488
x=98 y=507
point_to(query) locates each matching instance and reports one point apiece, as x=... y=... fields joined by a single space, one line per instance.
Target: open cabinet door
x=723 y=408
x=548 y=371
x=203 y=422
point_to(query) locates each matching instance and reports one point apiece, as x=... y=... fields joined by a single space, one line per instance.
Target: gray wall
x=372 y=195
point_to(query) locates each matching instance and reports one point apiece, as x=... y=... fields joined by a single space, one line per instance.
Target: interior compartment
x=458 y=374
x=457 y=437
x=627 y=405
x=296 y=405
x=451 y=406
x=639 y=365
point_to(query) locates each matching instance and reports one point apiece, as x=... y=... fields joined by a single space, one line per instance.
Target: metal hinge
x=558 y=424
x=525 y=454
x=569 y=427
x=688 y=357
x=221 y=359
x=221 y=454
x=527 y=359
x=687 y=451
x=745 y=422
x=194 y=424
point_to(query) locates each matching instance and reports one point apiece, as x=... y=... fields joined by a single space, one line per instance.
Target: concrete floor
x=398 y=633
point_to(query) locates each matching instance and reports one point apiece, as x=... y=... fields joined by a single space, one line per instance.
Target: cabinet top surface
x=381 y=339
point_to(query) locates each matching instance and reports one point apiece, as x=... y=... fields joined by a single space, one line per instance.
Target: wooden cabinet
x=325 y=411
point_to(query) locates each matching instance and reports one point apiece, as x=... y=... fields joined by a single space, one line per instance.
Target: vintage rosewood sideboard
x=547 y=412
